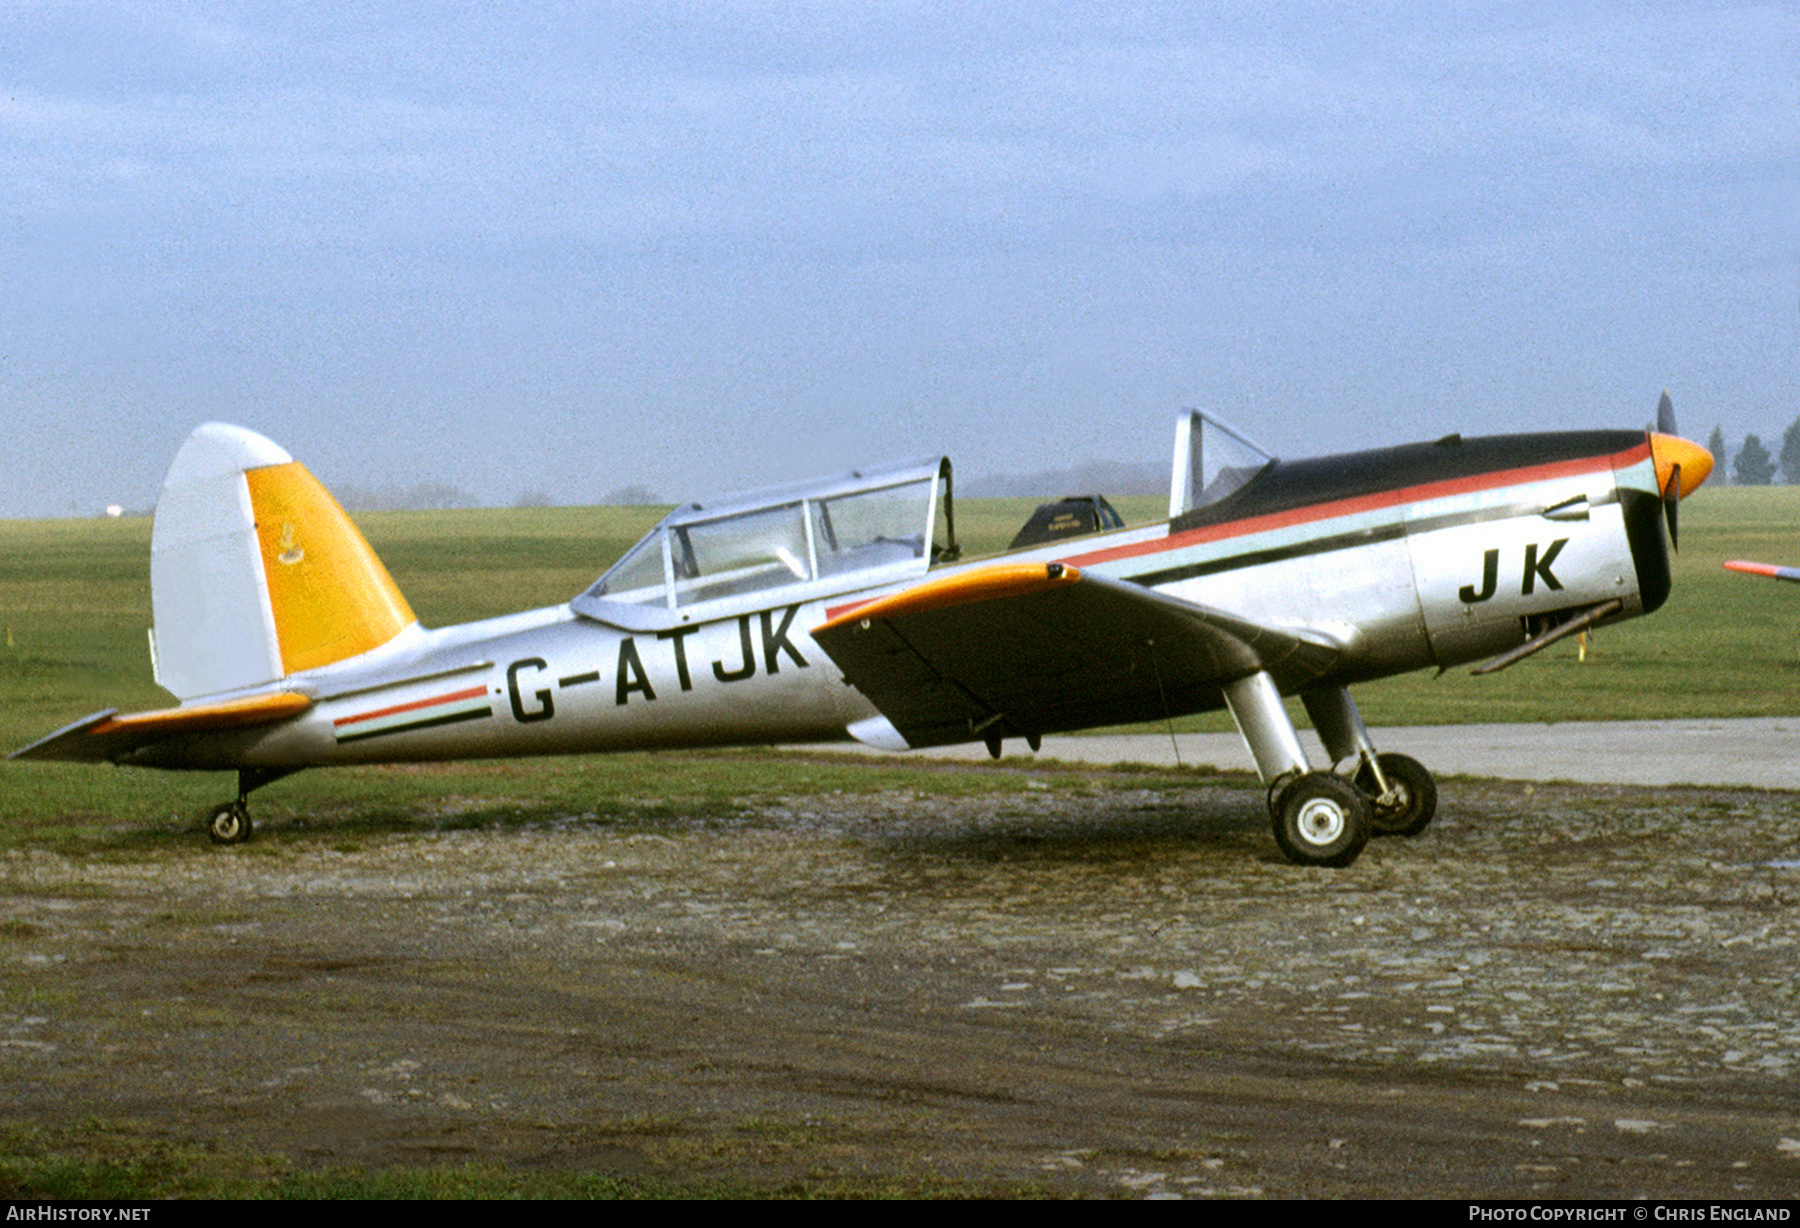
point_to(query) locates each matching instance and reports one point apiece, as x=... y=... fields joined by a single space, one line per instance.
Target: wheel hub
x=1321 y=821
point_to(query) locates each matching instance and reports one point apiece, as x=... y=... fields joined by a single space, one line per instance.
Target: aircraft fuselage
x=1405 y=559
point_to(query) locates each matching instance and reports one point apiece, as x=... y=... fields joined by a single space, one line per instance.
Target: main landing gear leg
x=1402 y=794
x=229 y=822
x=1320 y=819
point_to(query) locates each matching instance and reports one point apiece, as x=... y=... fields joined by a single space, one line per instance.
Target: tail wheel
x=1321 y=820
x=228 y=823
x=1411 y=801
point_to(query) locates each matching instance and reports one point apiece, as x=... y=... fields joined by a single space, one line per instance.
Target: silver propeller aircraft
x=842 y=607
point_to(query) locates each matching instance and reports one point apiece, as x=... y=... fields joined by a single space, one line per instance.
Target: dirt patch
x=1087 y=990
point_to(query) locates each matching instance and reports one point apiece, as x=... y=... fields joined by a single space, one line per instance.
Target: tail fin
x=256 y=572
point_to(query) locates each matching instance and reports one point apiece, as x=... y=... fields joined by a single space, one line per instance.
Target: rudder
x=256 y=572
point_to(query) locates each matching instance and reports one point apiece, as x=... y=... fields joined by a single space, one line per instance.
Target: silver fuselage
x=1404 y=559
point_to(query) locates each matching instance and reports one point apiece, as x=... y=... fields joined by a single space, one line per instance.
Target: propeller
x=1680 y=466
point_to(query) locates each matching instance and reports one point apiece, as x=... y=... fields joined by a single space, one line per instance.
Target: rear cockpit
x=862 y=529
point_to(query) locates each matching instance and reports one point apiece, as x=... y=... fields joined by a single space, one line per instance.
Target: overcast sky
x=698 y=246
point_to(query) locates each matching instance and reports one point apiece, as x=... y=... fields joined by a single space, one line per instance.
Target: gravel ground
x=1079 y=989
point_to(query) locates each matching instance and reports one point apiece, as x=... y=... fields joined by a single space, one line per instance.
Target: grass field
x=74 y=601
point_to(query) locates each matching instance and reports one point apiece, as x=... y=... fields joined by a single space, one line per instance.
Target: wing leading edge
x=1025 y=649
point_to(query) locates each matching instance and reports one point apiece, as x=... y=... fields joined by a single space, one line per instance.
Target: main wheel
x=228 y=823
x=1321 y=820
x=1412 y=802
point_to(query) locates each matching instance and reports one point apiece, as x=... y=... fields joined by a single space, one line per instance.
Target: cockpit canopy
x=1212 y=461
x=833 y=535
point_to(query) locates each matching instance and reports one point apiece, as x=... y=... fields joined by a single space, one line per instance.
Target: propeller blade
x=1680 y=468
x=1665 y=415
x=1672 y=505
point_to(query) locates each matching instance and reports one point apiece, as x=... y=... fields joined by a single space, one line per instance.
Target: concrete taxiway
x=1758 y=754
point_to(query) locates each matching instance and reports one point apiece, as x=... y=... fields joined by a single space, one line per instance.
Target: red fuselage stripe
x=1369 y=503
x=471 y=693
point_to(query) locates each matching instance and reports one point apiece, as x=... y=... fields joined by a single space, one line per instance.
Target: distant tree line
x=423 y=496
x=439 y=496
x=1752 y=464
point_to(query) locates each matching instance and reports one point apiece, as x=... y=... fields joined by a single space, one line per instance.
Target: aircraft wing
x=113 y=736
x=1765 y=569
x=1024 y=649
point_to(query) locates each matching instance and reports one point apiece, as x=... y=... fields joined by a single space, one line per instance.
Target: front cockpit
x=1212 y=462
x=866 y=528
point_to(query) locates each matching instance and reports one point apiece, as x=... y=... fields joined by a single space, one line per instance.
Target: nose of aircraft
x=1673 y=454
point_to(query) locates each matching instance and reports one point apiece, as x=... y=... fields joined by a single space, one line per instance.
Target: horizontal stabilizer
x=1024 y=649
x=110 y=736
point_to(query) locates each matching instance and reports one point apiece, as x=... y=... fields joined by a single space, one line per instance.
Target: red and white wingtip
x=1791 y=574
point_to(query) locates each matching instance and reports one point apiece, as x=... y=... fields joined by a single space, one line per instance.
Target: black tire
x=228 y=823
x=1415 y=804
x=1321 y=820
